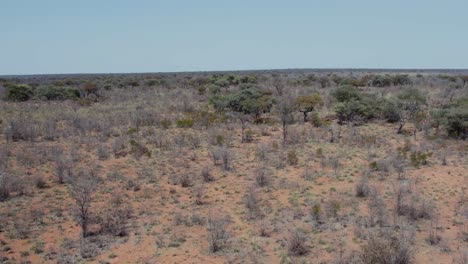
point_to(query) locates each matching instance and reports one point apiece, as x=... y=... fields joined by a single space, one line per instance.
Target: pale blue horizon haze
x=104 y=36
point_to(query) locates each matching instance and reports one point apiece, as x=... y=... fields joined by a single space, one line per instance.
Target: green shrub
x=319 y=152
x=184 y=123
x=374 y=166
x=457 y=122
x=390 y=112
x=219 y=139
x=19 y=92
x=292 y=158
x=139 y=150
x=419 y=158
x=57 y=93
x=316 y=120
x=165 y=123
x=248 y=136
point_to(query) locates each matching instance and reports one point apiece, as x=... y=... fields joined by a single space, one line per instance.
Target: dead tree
x=82 y=190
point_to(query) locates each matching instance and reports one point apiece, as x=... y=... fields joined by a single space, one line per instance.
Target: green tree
x=307 y=103
x=346 y=93
x=19 y=92
x=410 y=103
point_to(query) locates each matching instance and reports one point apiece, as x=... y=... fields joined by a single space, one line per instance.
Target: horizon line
x=242 y=70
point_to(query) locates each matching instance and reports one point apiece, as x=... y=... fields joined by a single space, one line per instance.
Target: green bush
x=391 y=112
x=57 y=93
x=184 y=123
x=457 y=122
x=165 y=123
x=248 y=137
x=316 y=120
x=346 y=93
x=292 y=158
x=419 y=158
x=19 y=92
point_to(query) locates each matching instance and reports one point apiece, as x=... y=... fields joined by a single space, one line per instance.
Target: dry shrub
x=387 y=247
x=297 y=243
x=362 y=187
x=377 y=209
x=63 y=169
x=198 y=193
x=221 y=156
x=412 y=205
x=3 y=157
x=185 y=180
x=39 y=182
x=21 y=129
x=308 y=173
x=206 y=174
x=102 y=152
x=218 y=235
x=5 y=186
x=252 y=203
x=292 y=158
x=119 y=147
x=262 y=177
x=262 y=152
x=115 y=219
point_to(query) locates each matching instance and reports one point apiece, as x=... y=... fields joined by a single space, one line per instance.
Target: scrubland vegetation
x=243 y=167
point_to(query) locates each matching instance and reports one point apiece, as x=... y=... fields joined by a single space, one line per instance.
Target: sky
x=117 y=36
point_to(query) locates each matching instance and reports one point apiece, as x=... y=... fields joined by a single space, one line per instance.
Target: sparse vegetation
x=244 y=167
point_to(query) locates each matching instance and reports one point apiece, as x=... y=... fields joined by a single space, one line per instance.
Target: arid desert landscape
x=275 y=166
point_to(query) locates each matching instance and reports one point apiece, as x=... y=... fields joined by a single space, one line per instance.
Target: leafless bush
x=88 y=124
x=443 y=158
x=198 y=193
x=362 y=187
x=3 y=157
x=160 y=140
x=399 y=165
x=63 y=169
x=115 y=219
x=262 y=177
x=221 y=156
x=218 y=235
x=36 y=214
x=252 y=203
x=308 y=173
x=102 y=152
x=262 y=152
x=332 y=208
x=39 y=181
x=206 y=174
x=89 y=248
x=462 y=257
x=49 y=130
x=119 y=147
x=412 y=205
x=433 y=238
x=22 y=228
x=334 y=163
x=264 y=228
x=143 y=117
x=185 y=180
x=377 y=209
x=21 y=129
x=387 y=248
x=297 y=243
x=5 y=186
x=82 y=190
x=187 y=139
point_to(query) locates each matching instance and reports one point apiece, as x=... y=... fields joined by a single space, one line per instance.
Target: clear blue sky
x=100 y=36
